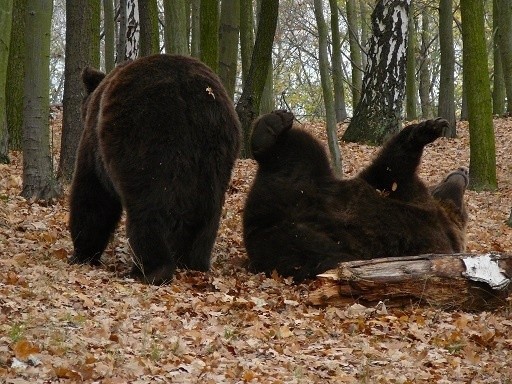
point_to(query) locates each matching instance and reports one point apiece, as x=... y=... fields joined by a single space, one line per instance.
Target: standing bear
x=160 y=139
x=300 y=220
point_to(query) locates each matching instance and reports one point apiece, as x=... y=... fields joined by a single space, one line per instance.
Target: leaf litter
x=62 y=323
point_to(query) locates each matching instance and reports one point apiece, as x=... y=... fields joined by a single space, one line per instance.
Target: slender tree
x=410 y=83
x=228 y=35
x=482 y=163
x=79 y=54
x=498 y=89
x=5 y=38
x=327 y=90
x=249 y=103
x=379 y=111
x=504 y=33
x=337 y=69
x=132 y=29
x=446 y=107
x=246 y=36
x=175 y=32
x=424 y=72
x=195 y=33
x=267 y=96
x=355 y=50
x=39 y=182
x=210 y=33
x=148 y=19
x=94 y=7
x=15 y=75
x=109 y=27
x=121 y=32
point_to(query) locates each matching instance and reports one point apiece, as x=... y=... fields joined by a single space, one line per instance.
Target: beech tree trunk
x=248 y=105
x=378 y=114
x=482 y=162
x=39 y=182
x=327 y=91
x=5 y=37
x=462 y=281
x=446 y=107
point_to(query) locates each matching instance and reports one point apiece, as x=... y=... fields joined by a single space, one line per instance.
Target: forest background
x=91 y=324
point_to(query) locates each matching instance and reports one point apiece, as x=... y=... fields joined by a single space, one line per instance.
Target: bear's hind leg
x=395 y=165
x=267 y=129
x=154 y=262
x=94 y=214
x=198 y=257
x=453 y=186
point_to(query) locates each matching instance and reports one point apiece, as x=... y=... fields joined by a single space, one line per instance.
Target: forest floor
x=62 y=323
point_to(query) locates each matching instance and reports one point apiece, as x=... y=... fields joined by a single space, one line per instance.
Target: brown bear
x=300 y=220
x=160 y=140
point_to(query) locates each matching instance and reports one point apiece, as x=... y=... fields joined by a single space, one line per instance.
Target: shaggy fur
x=300 y=220
x=160 y=140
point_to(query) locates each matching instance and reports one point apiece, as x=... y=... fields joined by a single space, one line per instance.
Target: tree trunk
x=122 y=30
x=228 y=36
x=109 y=27
x=449 y=282
x=195 y=39
x=149 y=35
x=424 y=72
x=410 y=84
x=505 y=40
x=5 y=38
x=79 y=18
x=378 y=114
x=364 y=37
x=132 y=30
x=246 y=36
x=15 y=75
x=355 y=51
x=330 y=113
x=482 y=163
x=94 y=7
x=248 y=105
x=39 y=182
x=446 y=107
x=175 y=31
x=337 y=62
x=209 y=33
x=499 y=91
x=267 y=103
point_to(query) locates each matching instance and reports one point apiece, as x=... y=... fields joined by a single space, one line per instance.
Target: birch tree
x=379 y=111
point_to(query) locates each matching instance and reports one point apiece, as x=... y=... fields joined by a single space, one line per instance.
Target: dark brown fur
x=160 y=140
x=300 y=220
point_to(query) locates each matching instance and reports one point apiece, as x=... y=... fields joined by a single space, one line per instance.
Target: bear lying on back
x=160 y=140
x=301 y=221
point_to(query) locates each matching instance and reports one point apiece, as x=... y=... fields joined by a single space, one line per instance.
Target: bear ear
x=91 y=78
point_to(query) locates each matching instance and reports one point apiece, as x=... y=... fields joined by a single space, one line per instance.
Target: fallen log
x=470 y=282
